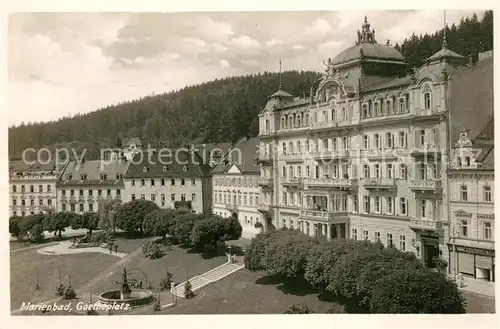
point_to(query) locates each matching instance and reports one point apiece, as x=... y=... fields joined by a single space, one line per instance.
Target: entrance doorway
x=431 y=252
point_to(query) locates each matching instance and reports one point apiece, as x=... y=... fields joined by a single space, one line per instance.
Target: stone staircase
x=202 y=280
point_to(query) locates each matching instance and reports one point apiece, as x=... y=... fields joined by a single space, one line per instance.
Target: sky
x=61 y=64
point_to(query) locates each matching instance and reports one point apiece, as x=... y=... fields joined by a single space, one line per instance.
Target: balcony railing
x=425 y=184
x=330 y=124
x=265 y=182
x=330 y=182
x=327 y=154
x=425 y=150
x=426 y=224
x=379 y=183
x=324 y=216
x=264 y=157
x=264 y=207
x=380 y=153
x=292 y=181
x=293 y=157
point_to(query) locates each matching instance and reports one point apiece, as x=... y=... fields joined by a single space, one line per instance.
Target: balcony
x=266 y=132
x=378 y=154
x=264 y=208
x=264 y=158
x=48 y=208
x=292 y=182
x=379 y=183
x=330 y=182
x=425 y=225
x=294 y=157
x=324 y=216
x=232 y=207
x=72 y=199
x=327 y=154
x=426 y=150
x=265 y=182
x=425 y=185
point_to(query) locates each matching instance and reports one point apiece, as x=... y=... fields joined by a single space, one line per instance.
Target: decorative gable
x=234 y=170
x=462 y=213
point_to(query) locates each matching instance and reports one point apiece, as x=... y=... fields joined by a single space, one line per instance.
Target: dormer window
x=165 y=168
x=184 y=168
x=427 y=100
x=104 y=176
x=467 y=161
x=69 y=177
x=119 y=176
x=83 y=176
x=145 y=169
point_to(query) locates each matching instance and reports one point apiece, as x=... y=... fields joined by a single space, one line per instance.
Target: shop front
x=478 y=263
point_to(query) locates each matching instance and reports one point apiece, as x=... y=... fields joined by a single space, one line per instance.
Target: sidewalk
x=479 y=287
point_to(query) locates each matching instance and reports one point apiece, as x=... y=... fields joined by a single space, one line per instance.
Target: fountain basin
x=138 y=297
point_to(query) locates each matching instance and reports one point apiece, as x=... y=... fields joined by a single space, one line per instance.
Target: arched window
x=306 y=119
x=267 y=124
x=290 y=121
x=334 y=114
x=427 y=98
x=290 y=147
x=401 y=105
x=365 y=111
x=283 y=123
x=284 y=148
x=299 y=120
x=388 y=107
x=344 y=114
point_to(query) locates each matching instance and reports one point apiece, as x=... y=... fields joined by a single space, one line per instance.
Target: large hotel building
x=365 y=156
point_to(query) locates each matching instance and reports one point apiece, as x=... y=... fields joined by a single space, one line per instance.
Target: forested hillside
x=216 y=111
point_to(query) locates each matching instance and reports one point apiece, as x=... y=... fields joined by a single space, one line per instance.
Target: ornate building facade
x=364 y=156
x=236 y=187
x=33 y=187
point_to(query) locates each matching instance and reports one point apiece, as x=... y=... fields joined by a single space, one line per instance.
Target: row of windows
x=294 y=120
x=236 y=181
x=382 y=205
x=81 y=207
x=225 y=198
x=152 y=182
x=101 y=176
x=487 y=231
x=464 y=193
x=23 y=213
x=331 y=116
x=90 y=193
x=163 y=198
x=376 y=109
x=32 y=188
x=389 y=242
x=32 y=202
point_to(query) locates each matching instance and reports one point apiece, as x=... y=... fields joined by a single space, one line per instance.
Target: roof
x=20 y=165
x=175 y=163
x=369 y=50
x=471 y=96
x=489 y=160
x=112 y=169
x=445 y=53
x=488 y=132
x=281 y=93
x=396 y=82
x=298 y=102
x=243 y=156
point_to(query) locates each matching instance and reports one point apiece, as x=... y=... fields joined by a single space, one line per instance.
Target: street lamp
x=454 y=234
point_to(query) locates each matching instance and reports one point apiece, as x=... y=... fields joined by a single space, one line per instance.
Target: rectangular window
x=80 y=192
x=366 y=170
x=402 y=243
x=389 y=170
x=464 y=225
x=143 y=182
x=423 y=208
x=355 y=202
x=487 y=193
x=81 y=207
x=108 y=192
x=72 y=207
x=366 y=142
x=91 y=207
x=389 y=140
x=40 y=188
x=133 y=197
x=345 y=143
x=132 y=182
x=193 y=181
x=183 y=181
x=377 y=236
x=162 y=182
x=402 y=171
x=183 y=197
x=193 y=197
x=366 y=199
x=40 y=202
x=487 y=230
x=377 y=170
x=377 y=204
x=172 y=181
x=422 y=138
x=354 y=234
x=143 y=196
x=390 y=205
x=32 y=188
x=389 y=240
x=172 y=197
x=402 y=206
x=365 y=235
x=463 y=193
x=377 y=141
x=402 y=139
x=153 y=197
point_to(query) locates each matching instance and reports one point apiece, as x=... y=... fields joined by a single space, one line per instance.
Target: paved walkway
x=479 y=287
x=202 y=280
x=84 y=290
x=63 y=248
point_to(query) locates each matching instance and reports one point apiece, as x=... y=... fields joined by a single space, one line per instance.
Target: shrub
x=69 y=293
x=152 y=250
x=60 y=289
x=298 y=309
x=188 y=292
x=416 y=291
x=166 y=284
x=258 y=225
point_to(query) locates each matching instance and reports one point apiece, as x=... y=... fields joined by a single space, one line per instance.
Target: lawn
x=24 y=266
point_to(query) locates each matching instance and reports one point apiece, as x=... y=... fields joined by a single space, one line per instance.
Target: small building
x=33 y=187
x=175 y=178
x=130 y=147
x=84 y=183
x=236 y=190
